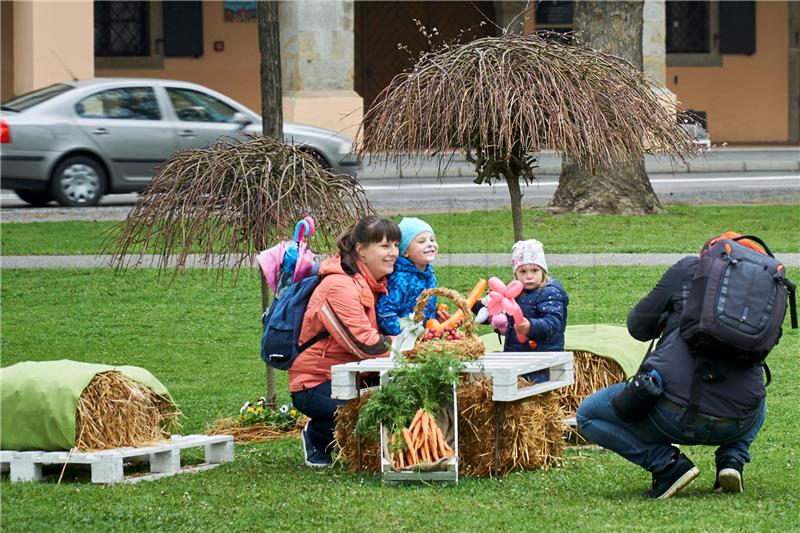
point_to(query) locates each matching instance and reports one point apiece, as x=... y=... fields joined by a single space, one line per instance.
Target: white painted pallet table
x=504 y=368
x=106 y=466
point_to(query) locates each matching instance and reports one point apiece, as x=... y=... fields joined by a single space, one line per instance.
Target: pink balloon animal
x=502 y=299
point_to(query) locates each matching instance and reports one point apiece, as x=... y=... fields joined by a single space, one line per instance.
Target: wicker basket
x=468 y=347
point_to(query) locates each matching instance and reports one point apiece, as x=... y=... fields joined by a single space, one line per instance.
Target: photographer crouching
x=696 y=388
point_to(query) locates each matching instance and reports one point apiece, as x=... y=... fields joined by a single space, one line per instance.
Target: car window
x=196 y=106
x=30 y=99
x=126 y=103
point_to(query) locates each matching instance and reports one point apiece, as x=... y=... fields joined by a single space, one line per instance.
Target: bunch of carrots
x=423 y=440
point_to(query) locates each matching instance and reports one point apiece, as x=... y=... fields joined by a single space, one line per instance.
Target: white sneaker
x=730 y=480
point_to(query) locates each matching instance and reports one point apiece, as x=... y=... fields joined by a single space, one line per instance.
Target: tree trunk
x=269 y=45
x=516 y=206
x=614 y=27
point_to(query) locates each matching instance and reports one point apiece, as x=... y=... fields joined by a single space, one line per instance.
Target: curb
x=721 y=160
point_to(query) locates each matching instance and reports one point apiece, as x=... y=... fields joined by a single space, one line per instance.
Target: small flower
x=284 y=409
x=259 y=409
x=250 y=410
x=245 y=407
x=293 y=413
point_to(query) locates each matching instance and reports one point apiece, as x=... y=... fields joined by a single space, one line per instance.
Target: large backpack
x=737 y=302
x=283 y=321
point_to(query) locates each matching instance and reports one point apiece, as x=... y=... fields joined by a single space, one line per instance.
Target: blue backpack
x=283 y=320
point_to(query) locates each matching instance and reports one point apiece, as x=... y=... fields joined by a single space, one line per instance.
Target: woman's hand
x=442 y=313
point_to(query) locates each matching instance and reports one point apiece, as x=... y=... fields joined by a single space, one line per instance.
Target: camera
x=642 y=392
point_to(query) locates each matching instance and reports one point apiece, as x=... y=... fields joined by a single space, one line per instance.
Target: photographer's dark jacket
x=738 y=391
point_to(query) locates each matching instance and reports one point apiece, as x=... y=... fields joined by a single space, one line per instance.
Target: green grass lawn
x=682 y=229
x=201 y=340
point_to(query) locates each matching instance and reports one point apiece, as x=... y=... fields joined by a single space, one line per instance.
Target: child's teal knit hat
x=409 y=228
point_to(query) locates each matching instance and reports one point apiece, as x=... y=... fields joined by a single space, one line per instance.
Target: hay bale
x=360 y=454
x=115 y=411
x=531 y=435
x=255 y=432
x=591 y=373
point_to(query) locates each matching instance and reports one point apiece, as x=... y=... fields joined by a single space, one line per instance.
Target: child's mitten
x=500 y=323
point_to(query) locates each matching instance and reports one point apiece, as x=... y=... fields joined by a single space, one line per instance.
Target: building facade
x=736 y=65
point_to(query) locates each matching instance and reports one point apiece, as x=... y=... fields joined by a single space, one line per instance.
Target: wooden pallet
x=107 y=465
x=502 y=367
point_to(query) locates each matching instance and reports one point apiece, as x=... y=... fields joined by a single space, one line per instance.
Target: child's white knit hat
x=530 y=252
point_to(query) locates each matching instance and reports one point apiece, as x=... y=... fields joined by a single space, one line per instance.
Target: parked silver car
x=75 y=141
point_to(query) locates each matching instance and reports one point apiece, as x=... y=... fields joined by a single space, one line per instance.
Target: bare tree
x=607 y=186
x=504 y=99
x=269 y=45
x=225 y=203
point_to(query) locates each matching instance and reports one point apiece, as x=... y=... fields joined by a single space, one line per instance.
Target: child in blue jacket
x=413 y=273
x=543 y=302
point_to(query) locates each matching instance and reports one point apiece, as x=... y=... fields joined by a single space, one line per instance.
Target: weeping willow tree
x=503 y=100
x=221 y=205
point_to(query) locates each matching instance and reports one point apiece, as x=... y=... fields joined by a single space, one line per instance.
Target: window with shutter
x=121 y=29
x=183 y=28
x=737 y=28
x=692 y=29
x=127 y=34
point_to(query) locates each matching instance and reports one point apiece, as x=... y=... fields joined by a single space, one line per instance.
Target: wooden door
x=388 y=41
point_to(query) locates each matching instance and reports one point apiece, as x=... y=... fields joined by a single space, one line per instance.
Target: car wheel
x=78 y=182
x=319 y=158
x=35 y=198
x=324 y=164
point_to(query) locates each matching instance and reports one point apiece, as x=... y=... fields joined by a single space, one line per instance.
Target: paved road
x=791 y=260
x=426 y=194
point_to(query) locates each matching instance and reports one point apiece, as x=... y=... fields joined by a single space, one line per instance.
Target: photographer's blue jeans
x=316 y=403
x=648 y=443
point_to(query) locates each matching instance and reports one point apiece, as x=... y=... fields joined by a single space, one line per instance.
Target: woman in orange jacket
x=342 y=309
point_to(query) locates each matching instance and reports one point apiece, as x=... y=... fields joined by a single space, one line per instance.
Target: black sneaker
x=672 y=479
x=313 y=457
x=729 y=476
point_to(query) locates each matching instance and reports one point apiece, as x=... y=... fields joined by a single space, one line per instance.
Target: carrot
x=438 y=440
x=416 y=418
x=417 y=442
x=417 y=428
x=432 y=433
x=433 y=444
x=456 y=317
x=450 y=451
x=426 y=455
x=410 y=444
x=442 y=443
x=426 y=426
x=400 y=462
x=435 y=454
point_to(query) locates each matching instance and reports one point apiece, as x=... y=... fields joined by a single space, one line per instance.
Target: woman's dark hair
x=366 y=230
